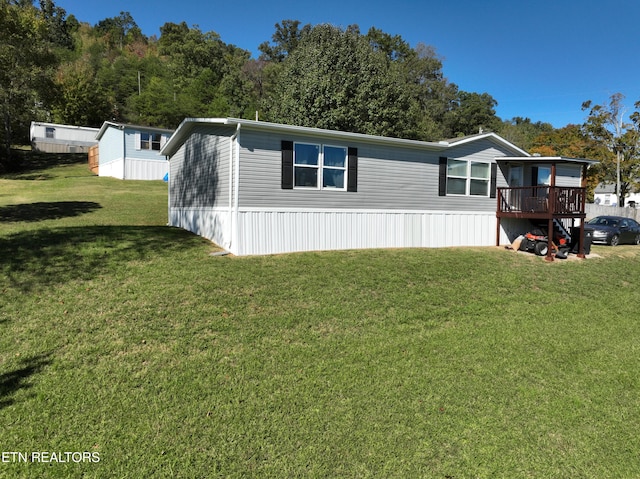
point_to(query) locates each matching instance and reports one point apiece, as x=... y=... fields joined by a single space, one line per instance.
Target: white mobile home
x=131 y=152
x=605 y=195
x=55 y=138
x=261 y=188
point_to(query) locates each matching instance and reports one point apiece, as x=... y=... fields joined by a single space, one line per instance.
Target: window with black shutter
x=287 y=165
x=352 y=174
x=465 y=177
x=316 y=166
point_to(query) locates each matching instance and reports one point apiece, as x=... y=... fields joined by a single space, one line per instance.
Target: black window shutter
x=442 y=178
x=287 y=165
x=352 y=175
x=534 y=176
x=494 y=179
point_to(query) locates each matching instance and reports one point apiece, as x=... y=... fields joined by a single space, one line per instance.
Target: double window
x=150 y=141
x=468 y=177
x=314 y=166
x=319 y=166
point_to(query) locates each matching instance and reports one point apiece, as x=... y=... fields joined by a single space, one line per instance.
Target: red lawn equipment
x=537 y=241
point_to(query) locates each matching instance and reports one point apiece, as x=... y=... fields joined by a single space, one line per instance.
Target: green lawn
x=125 y=339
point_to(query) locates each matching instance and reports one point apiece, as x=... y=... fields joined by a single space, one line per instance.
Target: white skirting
x=210 y=223
x=135 y=169
x=113 y=168
x=263 y=231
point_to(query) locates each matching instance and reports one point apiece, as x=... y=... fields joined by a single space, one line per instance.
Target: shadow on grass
x=24 y=162
x=17 y=379
x=46 y=210
x=33 y=260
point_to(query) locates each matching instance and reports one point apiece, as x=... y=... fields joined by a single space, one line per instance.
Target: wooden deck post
x=551 y=210
x=583 y=218
x=498 y=209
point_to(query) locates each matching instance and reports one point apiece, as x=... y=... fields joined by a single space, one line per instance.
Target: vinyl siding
x=60 y=146
x=111 y=146
x=388 y=177
x=64 y=133
x=119 y=157
x=569 y=175
x=566 y=175
x=133 y=148
x=199 y=171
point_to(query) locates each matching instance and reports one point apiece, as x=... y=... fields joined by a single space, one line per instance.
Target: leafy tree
x=522 y=131
x=26 y=61
x=323 y=76
x=59 y=28
x=257 y=73
x=119 y=31
x=119 y=77
x=189 y=51
x=285 y=40
x=394 y=47
x=431 y=95
x=207 y=74
x=237 y=87
x=157 y=106
x=471 y=113
x=620 y=142
x=334 y=79
x=81 y=100
x=570 y=141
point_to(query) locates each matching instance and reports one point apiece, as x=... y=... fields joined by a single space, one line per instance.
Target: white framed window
x=516 y=176
x=50 y=132
x=468 y=177
x=306 y=164
x=544 y=176
x=150 y=141
x=334 y=167
x=319 y=166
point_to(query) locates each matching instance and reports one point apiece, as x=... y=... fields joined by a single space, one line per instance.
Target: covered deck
x=551 y=204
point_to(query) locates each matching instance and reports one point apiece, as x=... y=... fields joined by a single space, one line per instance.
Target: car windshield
x=604 y=221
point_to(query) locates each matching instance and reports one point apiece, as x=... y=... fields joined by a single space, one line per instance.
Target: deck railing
x=542 y=200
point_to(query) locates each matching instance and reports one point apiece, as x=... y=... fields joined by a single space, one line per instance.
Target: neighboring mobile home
x=55 y=138
x=262 y=188
x=605 y=195
x=132 y=152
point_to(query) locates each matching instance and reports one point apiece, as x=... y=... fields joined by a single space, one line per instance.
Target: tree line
x=56 y=68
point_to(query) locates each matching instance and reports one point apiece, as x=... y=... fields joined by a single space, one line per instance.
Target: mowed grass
x=123 y=337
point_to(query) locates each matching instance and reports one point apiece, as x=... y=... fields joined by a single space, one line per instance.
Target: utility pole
x=620 y=198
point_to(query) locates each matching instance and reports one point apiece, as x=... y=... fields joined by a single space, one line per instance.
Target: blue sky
x=538 y=59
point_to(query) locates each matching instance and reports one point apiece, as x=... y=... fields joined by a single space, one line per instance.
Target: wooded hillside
x=54 y=67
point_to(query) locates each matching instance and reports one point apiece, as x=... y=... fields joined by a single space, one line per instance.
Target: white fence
x=594 y=210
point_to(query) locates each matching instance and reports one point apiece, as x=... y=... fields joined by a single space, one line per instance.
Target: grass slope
x=123 y=337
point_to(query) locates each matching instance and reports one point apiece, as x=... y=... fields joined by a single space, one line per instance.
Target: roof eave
x=547 y=159
x=104 y=127
x=488 y=135
x=188 y=123
x=122 y=126
x=174 y=142
x=180 y=134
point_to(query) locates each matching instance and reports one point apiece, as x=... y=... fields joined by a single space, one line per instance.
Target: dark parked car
x=614 y=230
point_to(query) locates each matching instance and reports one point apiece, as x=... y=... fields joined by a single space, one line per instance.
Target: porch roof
x=546 y=159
